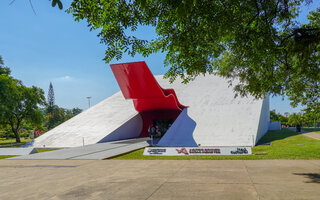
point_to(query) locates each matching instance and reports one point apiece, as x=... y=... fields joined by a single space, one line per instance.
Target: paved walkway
x=160 y=179
x=89 y=152
x=308 y=133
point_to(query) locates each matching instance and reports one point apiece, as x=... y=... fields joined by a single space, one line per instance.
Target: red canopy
x=137 y=82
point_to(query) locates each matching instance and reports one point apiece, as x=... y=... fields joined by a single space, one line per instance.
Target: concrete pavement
x=308 y=133
x=160 y=179
x=312 y=135
x=89 y=152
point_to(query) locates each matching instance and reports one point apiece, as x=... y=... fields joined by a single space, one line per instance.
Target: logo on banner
x=240 y=151
x=182 y=150
x=156 y=151
x=198 y=151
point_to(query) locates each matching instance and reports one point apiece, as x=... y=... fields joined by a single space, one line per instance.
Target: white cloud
x=64 y=78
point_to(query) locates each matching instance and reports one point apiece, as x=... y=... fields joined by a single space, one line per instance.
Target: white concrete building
x=213 y=118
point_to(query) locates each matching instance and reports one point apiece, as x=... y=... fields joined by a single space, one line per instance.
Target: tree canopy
x=258 y=42
x=50 y=98
x=18 y=103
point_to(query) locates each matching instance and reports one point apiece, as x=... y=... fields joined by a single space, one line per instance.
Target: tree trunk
x=16 y=131
x=17 y=136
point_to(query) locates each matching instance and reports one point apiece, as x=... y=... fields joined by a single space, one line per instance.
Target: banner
x=185 y=151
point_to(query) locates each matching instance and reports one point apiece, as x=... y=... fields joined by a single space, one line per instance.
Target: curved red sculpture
x=150 y=100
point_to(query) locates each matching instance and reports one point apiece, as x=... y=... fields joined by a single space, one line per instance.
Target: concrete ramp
x=114 y=117
x=17 y=151
x=89 y=152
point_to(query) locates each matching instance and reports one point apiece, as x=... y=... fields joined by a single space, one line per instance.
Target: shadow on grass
x=314 y=177
x=311 y=129
x=271 y=136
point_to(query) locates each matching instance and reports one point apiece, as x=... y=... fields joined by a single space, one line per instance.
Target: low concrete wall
x=275 y=126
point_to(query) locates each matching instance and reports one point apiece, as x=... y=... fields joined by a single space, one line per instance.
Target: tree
x=57 y=2
x=76 y=111
x=3 y=69
x=258 y=42
x=296 y=119
x=273 y=116
x=55 y=117
x=50 y=98
x=18 y=103
x=59 y=115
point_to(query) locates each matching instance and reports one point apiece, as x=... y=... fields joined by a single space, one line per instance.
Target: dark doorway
x=163 y=125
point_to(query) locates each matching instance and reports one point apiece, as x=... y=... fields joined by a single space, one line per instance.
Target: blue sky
x=51 y=46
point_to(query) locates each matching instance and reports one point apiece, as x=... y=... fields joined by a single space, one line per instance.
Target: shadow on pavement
x=314 y=177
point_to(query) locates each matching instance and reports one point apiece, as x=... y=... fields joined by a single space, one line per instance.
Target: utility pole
x=89 y=100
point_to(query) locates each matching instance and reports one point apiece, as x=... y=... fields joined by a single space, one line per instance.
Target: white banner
x=184 y=151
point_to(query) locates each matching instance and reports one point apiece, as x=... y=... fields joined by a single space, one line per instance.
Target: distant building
x=286 y=114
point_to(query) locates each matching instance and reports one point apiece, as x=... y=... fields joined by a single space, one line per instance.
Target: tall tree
x=258 y=42
x=50 y=98
x=296 y=119
x=19 y=104
x=3 y=69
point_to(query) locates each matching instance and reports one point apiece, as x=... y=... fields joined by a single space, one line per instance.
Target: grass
x=12 y=141
x=4 y=157
x=45 y=150
x=285 y=145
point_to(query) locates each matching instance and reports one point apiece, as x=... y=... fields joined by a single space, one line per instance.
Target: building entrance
x=163 y=125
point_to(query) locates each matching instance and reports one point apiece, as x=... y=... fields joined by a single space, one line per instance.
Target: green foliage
x=76 y=111
x=59 y=115
x=19 y=104
x=273 y=116
x=4 y=157
x=10 y=141
x=296 y=119
x=258 y=42
x=55 y=115
x=285 y=145
x=278 y=117
x=55 y=2
x=50 y=98
x=312 y=117
x=45 y=150
x=3 y=69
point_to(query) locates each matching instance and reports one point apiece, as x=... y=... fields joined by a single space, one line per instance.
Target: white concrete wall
x=130 y=129
x=221 y=119
x=264 y=120
x=180 y=134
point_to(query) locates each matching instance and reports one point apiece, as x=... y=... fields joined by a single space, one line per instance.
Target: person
x=152 y=130
x=298 y=128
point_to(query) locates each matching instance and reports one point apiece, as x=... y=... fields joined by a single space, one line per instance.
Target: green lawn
x=3 y=157
x=3 y=141
x=45 y=150
x=285 y=145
